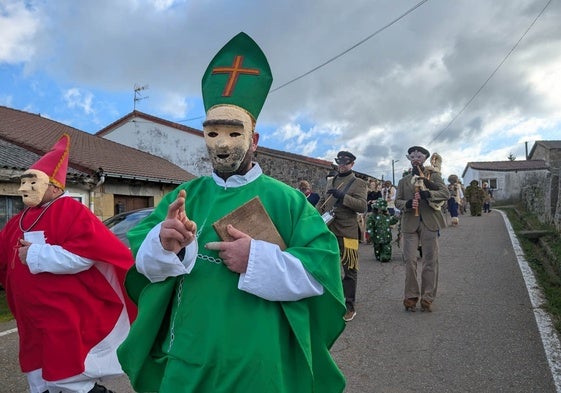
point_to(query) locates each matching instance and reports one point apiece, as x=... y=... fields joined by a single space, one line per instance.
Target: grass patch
x=5 y=314
x=544 y=257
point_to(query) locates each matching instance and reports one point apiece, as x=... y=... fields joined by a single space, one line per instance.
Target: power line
x=340 y=54
x=191 y=119
x=492 y=73
x=352 y=47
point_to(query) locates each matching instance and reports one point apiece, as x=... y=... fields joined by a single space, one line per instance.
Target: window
x=9 y=207
x=492 y=183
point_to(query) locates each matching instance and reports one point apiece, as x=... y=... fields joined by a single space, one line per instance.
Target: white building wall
x=184 y=149
x=509 y=183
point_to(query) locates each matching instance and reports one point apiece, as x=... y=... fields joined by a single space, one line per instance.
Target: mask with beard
x=228 y=133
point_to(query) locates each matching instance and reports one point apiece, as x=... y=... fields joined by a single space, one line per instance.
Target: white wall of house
x=184 y=149
x=509 y=183
x=188 y=151
x=500 y=192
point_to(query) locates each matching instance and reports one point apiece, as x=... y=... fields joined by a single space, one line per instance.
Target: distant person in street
x=372 y=196
x=462 y=208
x=306 y=188
x=63 y=272
x=234 y=313
x=420 y=225
x=475 y=196
x=389 y=193
x=374 y=193
x=488 y=197
x=345 y=197
x=455 y=200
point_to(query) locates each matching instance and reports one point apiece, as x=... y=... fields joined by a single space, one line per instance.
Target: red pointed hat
x=55 y=162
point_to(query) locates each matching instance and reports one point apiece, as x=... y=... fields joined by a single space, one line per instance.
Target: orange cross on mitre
x=235 y=70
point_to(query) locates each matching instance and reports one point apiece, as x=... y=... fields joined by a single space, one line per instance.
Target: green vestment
x=201 y=333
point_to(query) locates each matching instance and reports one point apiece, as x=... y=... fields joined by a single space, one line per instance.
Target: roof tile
x=88 y=153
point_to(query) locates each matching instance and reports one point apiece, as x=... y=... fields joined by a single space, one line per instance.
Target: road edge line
x=550 y=340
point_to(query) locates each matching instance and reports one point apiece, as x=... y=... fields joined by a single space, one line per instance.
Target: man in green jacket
x=238 y=313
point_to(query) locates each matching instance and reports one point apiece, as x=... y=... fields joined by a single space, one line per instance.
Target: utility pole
x=393 y=171
x=138 y=95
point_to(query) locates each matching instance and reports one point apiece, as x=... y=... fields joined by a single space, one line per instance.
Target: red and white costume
x=67 y=296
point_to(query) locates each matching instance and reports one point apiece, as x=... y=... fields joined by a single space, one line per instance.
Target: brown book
x=250 y=218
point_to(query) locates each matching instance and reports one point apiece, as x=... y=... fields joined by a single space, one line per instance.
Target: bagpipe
x=420 y=182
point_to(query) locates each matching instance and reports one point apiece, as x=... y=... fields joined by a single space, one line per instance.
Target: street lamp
x=393 y=171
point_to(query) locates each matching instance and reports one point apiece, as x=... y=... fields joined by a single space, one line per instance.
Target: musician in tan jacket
x=420 y=225
x=345 y=197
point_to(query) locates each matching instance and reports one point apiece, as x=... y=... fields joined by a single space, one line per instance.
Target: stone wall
x=291 y=171
x=542 y=198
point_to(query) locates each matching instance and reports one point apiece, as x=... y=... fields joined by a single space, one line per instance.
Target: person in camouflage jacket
x=474 y=196
x=379 y=229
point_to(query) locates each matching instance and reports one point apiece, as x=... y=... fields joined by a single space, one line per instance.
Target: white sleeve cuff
x=157 y=264
x=276 y=275
x=48 y=258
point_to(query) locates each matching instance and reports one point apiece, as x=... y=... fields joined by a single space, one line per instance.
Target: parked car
x=121 y=223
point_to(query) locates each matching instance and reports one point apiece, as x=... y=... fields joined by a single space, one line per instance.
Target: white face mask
x=33 y=186
x=228 y=133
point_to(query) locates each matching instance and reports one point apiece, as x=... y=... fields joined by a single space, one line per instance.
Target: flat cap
x=419 y=149
x=345 y=157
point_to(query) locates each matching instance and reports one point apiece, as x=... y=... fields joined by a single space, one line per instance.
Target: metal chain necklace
x=45 y=207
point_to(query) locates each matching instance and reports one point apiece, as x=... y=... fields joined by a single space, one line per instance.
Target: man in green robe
x=242 y=315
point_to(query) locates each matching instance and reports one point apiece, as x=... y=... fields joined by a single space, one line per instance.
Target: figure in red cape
x=63 y=272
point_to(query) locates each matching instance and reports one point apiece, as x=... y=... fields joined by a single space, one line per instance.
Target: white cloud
x=546 y=79
x=170 y=103
x=6 y=100
x=289 y=132
x=400 y=88
x=78 y=98
x=18 y=26
x=161 y=5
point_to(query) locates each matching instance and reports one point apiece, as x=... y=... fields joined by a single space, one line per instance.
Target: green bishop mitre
x=238 y=75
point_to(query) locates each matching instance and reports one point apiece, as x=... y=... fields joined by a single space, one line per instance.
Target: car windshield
x=122 y=223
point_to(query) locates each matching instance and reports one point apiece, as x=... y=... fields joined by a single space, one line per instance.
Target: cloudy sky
x=474 y=80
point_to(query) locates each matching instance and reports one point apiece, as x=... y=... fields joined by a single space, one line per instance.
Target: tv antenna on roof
x=138 y=95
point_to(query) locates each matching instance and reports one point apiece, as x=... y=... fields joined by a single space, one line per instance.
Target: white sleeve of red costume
x=48 y=258
x=276 y=275
x=158 y=264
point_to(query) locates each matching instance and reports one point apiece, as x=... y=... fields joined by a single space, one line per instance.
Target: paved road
x=481 y=337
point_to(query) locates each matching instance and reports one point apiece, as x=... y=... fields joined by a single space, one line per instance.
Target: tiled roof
x=88 y=153
x=137 y=114
x=18 y=158
x=507 y=166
